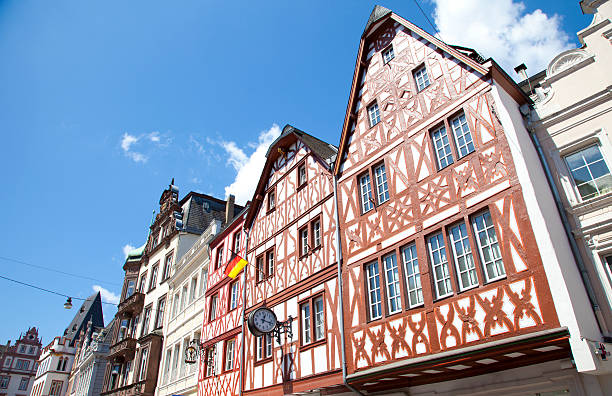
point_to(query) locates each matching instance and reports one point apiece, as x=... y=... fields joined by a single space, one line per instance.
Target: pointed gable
x=391 y=84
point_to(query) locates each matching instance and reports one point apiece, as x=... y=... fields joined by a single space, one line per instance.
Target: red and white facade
x=293 y=269
x=219 y=371
x=453 y=261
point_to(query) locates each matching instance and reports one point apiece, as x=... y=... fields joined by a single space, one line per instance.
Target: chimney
x=521 y=70
x=229 y=209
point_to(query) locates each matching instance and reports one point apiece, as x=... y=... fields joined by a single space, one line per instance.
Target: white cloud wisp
x=503 y=30
x=153 y=140
x=127 y=249
x=248 y=167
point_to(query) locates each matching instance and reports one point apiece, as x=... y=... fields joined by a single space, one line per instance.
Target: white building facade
x=54 y=368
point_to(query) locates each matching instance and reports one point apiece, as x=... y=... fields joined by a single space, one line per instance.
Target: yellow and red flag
x=235 y=266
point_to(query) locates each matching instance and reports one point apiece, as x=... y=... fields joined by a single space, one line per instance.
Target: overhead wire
x=49 y=291
x=428 y=20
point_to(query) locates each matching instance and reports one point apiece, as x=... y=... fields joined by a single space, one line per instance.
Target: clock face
x=263 y=320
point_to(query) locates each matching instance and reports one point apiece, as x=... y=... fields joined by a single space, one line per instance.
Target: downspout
x=242 y=353
x=568 y=232
x=339 y=250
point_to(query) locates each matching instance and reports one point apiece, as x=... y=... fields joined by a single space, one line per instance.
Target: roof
x=202 y=210
x=465 y=55
x=223 y=232
x=91 y=310
x=137 y=253
x=322 y=151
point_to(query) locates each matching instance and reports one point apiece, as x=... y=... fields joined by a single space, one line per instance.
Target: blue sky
x=102 y=103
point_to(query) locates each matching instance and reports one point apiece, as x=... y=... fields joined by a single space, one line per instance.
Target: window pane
x=382 y=191
x=393 y=286
x=319 y=319
x=437 y=252
x=374 y=114
x=442 y=147
x=413 y=276
x=464 y=261
x=590 y=172
x=306 y=323
x=366 y=193
x=463 y=137
x=421 y=78
x=488 y=246
x=374 y=291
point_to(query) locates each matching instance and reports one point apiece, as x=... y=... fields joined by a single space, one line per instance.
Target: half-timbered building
x=454 y=259
x=293 y=254
x=219 y=373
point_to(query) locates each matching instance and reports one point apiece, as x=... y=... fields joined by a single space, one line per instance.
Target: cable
x=55 y=270
x=49 y=291
x=427 y=18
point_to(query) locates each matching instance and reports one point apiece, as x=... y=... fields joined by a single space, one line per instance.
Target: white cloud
x=503 y=30
x=154 y=137
x=127 y=141
x=248 y=167
x=127 y=249
x=148 y=141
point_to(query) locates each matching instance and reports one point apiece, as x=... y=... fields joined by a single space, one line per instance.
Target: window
x=183 y=297
x=264 y=347
x=388 y=54
x=382 y=191
x=23 y=364
x=145 y=321
x=175 y=362
x=4 y=381
x=421 y=78
x=316 y=234
x=159 y=319
x=7 y=361
x=167 y=267
x=302 y=178
x=271 y=200
x=193 y=289
x=56 y=388
x=394 y=298
x=184 y=349
x=229 y=354
x=237 y=237
x=143 y=364
x=366 y=193
x=442 y=147
x=211 y=360
x=437 y=255
x=203 y=281
x=234 y=291
x=374 y=114
x=463 y=137
x=153 y=281
x=261 y=271
x=23 y=385
x=313 y=325
x=413 y=276
x=143 y=281
x=373 y=280
x=270 y=263
x=22 y=349
x=488 y=247
x=219 y=262
x=175 y=304
x=167 y=366
x=63 y=365
x=129 y=290
x=304 y=241
x=590 y=172
x=462 y=256
x=213 y=308
x=134 y=326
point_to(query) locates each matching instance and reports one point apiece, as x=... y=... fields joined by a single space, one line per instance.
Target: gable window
x=304 y=241
x=167 y=266
x=374 y=114
x=488 y=247
x=421 y=78
x=388 y=54
x=316 y=234
x=301 y=175
x=366 y=193
x=159 y=319
x=271 y=200
x=394 y=298
x=413 y=276
x=213 y=308
x=219 y=262
x=463 y=137
x=312 y=320
x=462 y=256
x=590 y=172
x=229 y=354
x=442 y=147
x=382 y=190
x=234 y=291
x=373 y=283
x=263 y=347
x=437 y=255
x=153 y=281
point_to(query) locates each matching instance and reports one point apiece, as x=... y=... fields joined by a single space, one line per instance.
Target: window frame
x=271 y=199
x=377 y=118
x=380 y=287
x=168 y=260
x=373 y=185
x=270 y=270
x=219 y=256
x=301 y=166
x=304 y=249
x=146 y=319
x=450 y=290
x=233 y=301
x=312 y=321
x=160 y=302
x=153 y=277
x=388 y=284
x=483 y=263
x=448 y=144
x=455 y=139
x=265 y=357
x=142 y=363
x=212 y=307
x=417 y=69
x=231 y=341
x=210 y=370
x=455 y=257
x=575 y=149
x=315 y=245
x=142 y=285
x=386 y=51
x=415 y=274
x=236 y=241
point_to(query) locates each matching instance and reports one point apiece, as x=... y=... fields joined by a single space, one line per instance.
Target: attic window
x=271 y=200
x=374 y=114
x=388 y=54
x=421 y=78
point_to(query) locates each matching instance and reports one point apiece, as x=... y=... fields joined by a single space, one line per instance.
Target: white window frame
x=464 y=242
x=392 y=283
x=462 y=131
x=374 y=304
x=499 y=275
x=318 y=318
x=234 y=291
x=412 y=272
x=388 y=54
x=305 y=316
x=584 y=147
x=229 y=354
x=304 y=245
x=316 y=233
x=441 y=143
x=373 y=114
x=445 y=279
x=365 y=192
x=421 y=78
x=382 y=187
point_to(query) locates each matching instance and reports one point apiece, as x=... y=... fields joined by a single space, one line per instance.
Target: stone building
x=18 y=364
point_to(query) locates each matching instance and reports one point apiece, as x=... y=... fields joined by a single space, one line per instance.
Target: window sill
x=489 y=281
x=314 y=249
x=313 y=344
x=301 y=186
x=263 y=361
x=270 y=210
